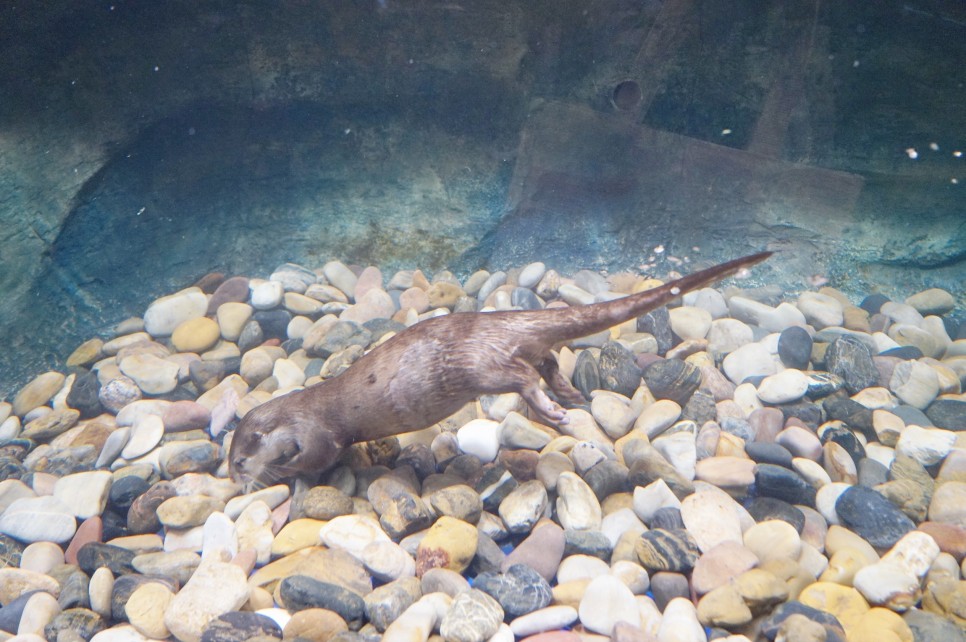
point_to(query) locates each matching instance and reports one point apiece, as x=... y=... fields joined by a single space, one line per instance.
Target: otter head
x=279 y=440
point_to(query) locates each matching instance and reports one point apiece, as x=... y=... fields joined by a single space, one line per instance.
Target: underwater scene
x=481 y=320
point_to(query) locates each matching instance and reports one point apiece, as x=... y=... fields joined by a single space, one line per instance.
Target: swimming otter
x=429 y=371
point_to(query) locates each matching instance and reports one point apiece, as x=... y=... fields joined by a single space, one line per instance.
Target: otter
x=429 y=371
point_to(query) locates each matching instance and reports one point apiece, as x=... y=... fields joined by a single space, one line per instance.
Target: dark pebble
x=380 y=327
x=519 y=591
x=847 y=440
x=113 y=525
x=874 y=302
x=10 y=552
x=672 y=379
x=314 y=367
x=291 y=345
x=912 y=416
x=822 y=384
x=94 y=555
x=701 y=408
x=274 y=323
x=420 y=457
x=795 y=347
x=251 y=336
x=11 y=612
x=765 y=508
x=669 y=518
x=666 y=586
x=83 y=623
x=658 y=324
x=833 y=628
x=667 y=550
x=607 y=478
x=871 y=473
x=233 y=290
x=467 y=467
x=851 y=359
x=521 y=463
x=210 y=282
x=852 y=413
x=11 y=468
x=489 y=556
x=929 y=627
x=525 y=299
x=948 y=413
x=618 y=369
x=125 y=490
x=494 y=485
x=240 y=625
x=205 y=375
x=300 y=592
x=784 y=484
x=593 y=543
x=142 y=517
x=342 y=335
x=586 y=374
x=738 y=427
x=74 y=591
x=769 y=453
x=201 y=457
x=807 y=412
x=83 y=395
x=68 y=461
x=872 y=516
x=18 y=447
x=906 y=353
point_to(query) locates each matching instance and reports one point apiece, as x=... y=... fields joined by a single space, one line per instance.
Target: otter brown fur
x=429 y=371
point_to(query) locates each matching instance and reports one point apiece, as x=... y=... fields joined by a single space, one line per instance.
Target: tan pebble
x=839 y=537
x=14 y=582
x=720 y=564
x=214 y=588
x=41 y=557
x=300 y=304
x=232 y=317
x=761 y=590
x=723 y=607
x=315 y=625
x=185 y=512
x=843 y=565
x=145 y=609
x=100 y=589
x=882 y=625
x=773 y=539
x=196 y=335
x=570 y=593
x=844 y=602
x=259 y=599
x=37 y=392
x=39 y=610
x=86 y=353
x=296 y=535
x=449 y=543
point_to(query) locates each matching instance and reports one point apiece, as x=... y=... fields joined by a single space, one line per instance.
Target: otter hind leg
x=525 y=379
x=562 y=388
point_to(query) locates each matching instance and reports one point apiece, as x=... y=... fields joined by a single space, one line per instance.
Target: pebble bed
x=750 y=464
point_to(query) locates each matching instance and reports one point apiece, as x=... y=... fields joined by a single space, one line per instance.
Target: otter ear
x=290 y=447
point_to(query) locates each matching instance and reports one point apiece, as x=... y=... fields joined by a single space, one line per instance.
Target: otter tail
x=580 y=321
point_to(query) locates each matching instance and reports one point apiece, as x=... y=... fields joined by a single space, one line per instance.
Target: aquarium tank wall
x=144 y=145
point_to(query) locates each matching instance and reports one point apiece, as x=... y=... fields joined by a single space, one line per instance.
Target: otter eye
x=240 y=462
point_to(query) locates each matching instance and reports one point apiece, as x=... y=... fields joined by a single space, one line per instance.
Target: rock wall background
x=145 y=144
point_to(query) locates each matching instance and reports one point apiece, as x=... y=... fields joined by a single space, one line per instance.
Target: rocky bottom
x=750 y=465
